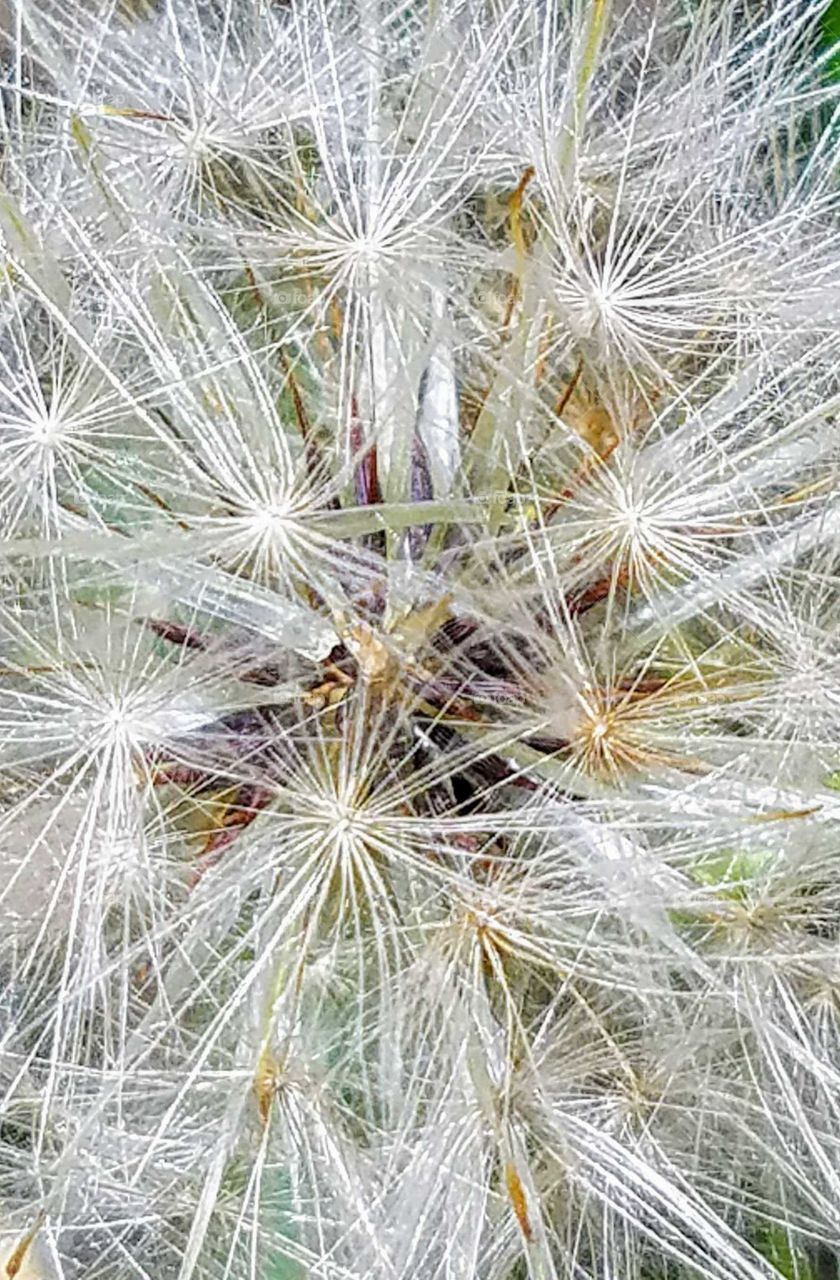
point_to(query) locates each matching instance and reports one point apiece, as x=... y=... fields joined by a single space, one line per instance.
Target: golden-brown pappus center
x=603 y=741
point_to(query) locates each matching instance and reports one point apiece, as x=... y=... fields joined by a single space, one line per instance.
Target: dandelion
x=418 y=664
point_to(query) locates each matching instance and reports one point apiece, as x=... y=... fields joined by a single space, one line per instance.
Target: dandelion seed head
x=598 y=311
x=274 y=518
x=600 y=728
x=600 y=742
x=344 y=821
x=49 y=431
x=366 y=251
x=395 y=891
x=124 y=718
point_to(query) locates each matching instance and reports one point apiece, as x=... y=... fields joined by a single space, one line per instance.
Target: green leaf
x=774 y=1244
x=280 y=1266
x=730 y=867
x=831 y=36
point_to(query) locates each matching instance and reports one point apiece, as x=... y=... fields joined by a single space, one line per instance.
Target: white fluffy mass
x=419 y=640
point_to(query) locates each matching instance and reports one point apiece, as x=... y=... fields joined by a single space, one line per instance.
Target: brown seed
x=516 y=1192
